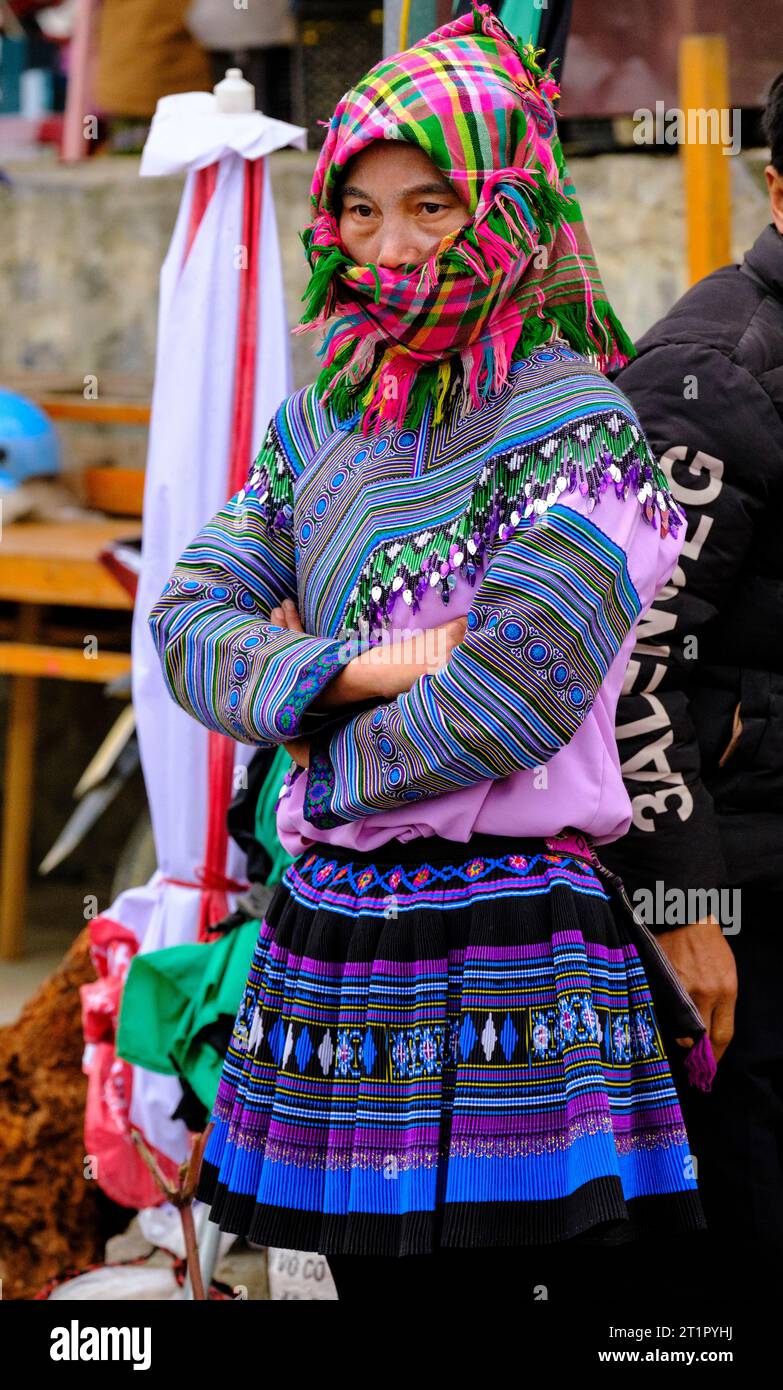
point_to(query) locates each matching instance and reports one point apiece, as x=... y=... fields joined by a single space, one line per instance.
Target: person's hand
x=705 y=963
x=384 y=670
x=299 y=750
x=287 y=615
x=390 y=668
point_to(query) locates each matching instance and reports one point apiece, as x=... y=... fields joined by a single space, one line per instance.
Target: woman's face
x=396 y=206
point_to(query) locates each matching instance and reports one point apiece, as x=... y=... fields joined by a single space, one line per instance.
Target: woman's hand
x=299 y=750
x=287 y=615
x=391 y=667
x=385 y=670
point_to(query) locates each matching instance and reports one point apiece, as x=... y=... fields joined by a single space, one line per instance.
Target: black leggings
x=570 y=1272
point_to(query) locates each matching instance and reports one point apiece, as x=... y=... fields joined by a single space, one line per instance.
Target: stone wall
x=81 y=249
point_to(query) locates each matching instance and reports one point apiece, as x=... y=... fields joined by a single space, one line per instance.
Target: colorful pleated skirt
x=446 y=1044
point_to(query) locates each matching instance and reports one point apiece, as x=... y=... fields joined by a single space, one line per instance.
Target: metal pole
x=407 y=21
x=208 y=1240
x=392 y=12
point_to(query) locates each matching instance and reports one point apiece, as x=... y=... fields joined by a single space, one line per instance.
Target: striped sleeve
x=553 y=610
x=222 y=661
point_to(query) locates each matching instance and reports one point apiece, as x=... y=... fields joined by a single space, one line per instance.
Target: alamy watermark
x=696 y=126
x=424 y=646
x=77 y=1343
x=664 y=907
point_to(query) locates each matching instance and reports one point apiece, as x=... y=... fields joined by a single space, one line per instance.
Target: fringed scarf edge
x=473 y=373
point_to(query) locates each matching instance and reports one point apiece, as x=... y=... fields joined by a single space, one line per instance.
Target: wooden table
x=42 y=563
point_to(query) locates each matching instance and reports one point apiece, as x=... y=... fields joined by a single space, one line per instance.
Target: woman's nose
x=391 y=259
x=396 y=249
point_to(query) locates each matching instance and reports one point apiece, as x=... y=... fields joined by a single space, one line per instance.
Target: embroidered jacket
x=543 y=517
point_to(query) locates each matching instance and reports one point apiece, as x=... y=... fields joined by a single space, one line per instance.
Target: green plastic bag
x=171 y=996
x=266 y=821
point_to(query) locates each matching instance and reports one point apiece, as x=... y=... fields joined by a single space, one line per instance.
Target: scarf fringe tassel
x=700 y=1065
x=401 y=388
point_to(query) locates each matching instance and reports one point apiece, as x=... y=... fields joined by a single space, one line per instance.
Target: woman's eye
x=432 y=209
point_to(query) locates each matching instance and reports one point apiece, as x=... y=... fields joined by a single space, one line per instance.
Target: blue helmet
x=29 y=446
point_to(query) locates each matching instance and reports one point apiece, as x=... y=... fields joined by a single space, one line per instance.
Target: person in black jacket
x=700 y=723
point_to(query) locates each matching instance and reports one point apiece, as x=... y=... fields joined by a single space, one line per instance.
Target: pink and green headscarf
x=518 y=274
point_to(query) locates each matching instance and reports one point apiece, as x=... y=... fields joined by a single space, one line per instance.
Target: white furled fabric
x=187 y=480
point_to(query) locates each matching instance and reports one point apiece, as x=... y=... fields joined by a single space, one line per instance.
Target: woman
x=447 y=1048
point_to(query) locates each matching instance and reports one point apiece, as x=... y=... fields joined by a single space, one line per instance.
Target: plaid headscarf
x=520 y=272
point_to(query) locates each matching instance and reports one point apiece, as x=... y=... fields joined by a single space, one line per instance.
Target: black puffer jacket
x=700 y=729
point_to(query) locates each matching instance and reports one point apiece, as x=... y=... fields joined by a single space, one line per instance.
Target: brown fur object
x=49 y=1212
